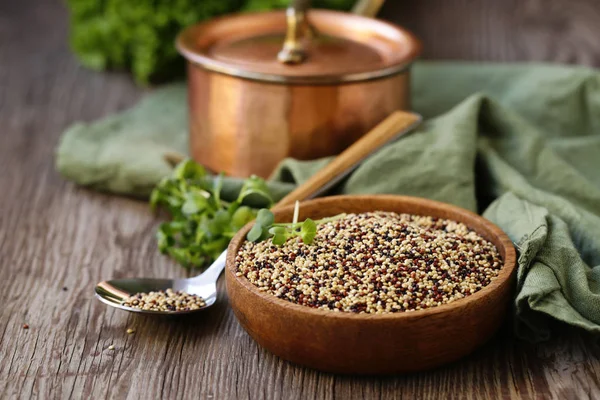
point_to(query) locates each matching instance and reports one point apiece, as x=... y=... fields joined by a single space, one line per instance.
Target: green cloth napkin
x=518 y=143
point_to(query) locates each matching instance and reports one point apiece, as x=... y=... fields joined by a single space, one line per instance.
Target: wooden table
x=57 y=241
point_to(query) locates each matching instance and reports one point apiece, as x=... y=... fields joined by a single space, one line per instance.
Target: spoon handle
x=395 y=125
x=212 y=273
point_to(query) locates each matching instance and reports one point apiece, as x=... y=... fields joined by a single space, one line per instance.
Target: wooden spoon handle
x=394 y=126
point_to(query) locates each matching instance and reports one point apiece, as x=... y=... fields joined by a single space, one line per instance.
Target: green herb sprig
x=202 y=222
x=265 y=227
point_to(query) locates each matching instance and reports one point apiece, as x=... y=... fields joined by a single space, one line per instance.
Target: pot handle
x=299 y=29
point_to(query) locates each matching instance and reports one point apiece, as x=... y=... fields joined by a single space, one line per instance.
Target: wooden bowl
x=374 y=344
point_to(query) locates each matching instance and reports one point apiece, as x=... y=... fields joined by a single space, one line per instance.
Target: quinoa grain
x=167 y=300
x=377 y=262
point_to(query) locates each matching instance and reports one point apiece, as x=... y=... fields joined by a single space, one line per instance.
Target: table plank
x=508 y=30
x=57 y=241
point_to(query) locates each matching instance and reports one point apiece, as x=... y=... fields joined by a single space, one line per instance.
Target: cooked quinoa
x=376 y=262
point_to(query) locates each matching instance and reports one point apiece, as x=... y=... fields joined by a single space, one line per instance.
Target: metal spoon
x=115 y=291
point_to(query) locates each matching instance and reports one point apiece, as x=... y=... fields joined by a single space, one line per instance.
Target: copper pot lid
x=300 y=46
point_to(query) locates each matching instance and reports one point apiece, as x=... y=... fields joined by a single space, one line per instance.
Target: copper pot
x=300 y=83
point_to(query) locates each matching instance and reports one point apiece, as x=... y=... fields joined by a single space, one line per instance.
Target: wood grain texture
x=53 y=235
x=374 y=344
x=564 y=31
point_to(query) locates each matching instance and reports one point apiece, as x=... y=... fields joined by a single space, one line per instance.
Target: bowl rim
x=186 y=45
x=503 y=278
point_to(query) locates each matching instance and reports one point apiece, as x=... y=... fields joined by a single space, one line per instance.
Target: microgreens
x=202 y=223
x=265 y=227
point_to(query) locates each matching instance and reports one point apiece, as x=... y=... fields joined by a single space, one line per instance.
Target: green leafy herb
x=202 y=222
x=265 y=217
x=242 y=216
x=280 y=235
x=265 y=227
x=255 y=233
x=308 y=231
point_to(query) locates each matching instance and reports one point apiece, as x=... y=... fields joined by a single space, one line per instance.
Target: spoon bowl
x=116 y=291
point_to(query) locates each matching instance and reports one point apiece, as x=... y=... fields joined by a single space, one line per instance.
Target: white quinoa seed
x=377 y=262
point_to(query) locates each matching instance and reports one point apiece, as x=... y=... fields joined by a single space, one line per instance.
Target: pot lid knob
x=299 y=30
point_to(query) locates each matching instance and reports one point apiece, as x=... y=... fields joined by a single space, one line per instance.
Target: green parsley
x=202 y=223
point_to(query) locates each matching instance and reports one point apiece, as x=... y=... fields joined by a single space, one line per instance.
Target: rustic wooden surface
x=563 y=31
x=57 y=241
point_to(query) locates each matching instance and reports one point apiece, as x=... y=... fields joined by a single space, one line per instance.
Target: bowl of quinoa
x=396 y=284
